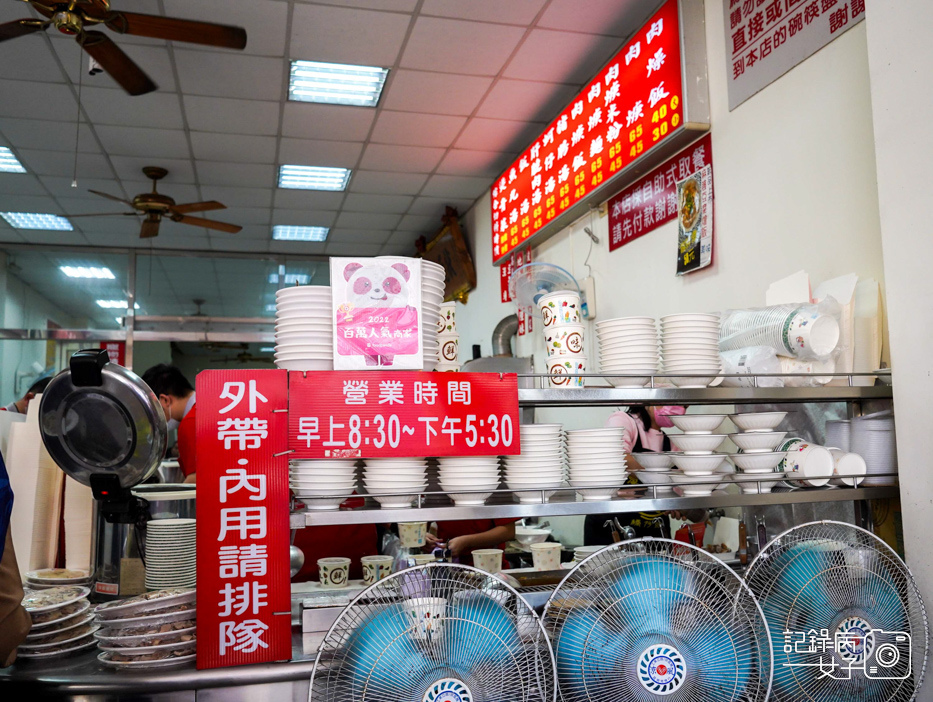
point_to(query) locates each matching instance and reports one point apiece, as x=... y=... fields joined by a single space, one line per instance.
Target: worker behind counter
x=177 y=397
x=22 y=404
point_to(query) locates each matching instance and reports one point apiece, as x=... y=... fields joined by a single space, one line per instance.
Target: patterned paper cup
x=412 y=534
x=546 y=556
x=428 y=616
x=564 y=339
x=449 y=348
x=488 y=559
x=447 y=322
x=375 y=568
x=562 y=307
x=559 y=369
x=333 y=572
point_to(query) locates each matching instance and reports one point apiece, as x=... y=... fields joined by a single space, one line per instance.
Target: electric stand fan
x=436 y=633
x=846 y=618
x=531 y=281
x=654 y=620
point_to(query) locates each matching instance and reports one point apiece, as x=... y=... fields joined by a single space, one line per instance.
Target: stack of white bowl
x=395 y=482
x=597 y=462
x=628 y=346
x=690 y=345
x=433 y=284
x=322 y=484
x=757 y=441
x=171 y=554
x=873 y=438
x=304 y=328
x=468 y=480
x=656 y=469
x=541 y=466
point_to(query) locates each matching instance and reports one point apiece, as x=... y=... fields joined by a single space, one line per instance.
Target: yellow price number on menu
x=597 y=179
x=550 y=213
x=637 y=149
x=634 y=134
x=564 y=189
x=538 y=223
x=579 y=178
x=615 y=164
x=550 y=201
x=579 y=192
x=615 y=149
x=565 y=203
x=525 y=220
x=596 y=165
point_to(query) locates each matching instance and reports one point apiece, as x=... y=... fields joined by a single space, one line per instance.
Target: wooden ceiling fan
x=74 y=18
x=154 y=205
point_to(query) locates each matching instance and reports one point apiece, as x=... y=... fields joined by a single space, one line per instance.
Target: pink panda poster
x=377 y=313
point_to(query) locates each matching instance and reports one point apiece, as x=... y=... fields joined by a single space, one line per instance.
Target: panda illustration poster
x=377 y=313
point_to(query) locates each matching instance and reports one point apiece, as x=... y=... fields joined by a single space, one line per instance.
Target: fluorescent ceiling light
x=290 y=278
x=9 y=163
x=270 y=307
x=313 y=178
x=282 y=232
x=336 y=83
x=101 y=273
x=115 y=304
x=267 y=349
x=36 y=220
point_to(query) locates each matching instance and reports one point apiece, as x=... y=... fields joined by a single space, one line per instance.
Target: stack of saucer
x=61 y=623
x=690 y=345
x=304 y=328
x=322 y=484
x=171 y=556
x=55 y=577
x=628 y=346
x=541 y=464
x=433 y=286
x=757 y=443
x=597 y=461
x=395 y=482
x=469 y=480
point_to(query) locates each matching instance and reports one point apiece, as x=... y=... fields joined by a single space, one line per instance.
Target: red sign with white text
x=631 y=106
x=244 y=583
x=116 y=350
x=373 y=414
x=652 y=200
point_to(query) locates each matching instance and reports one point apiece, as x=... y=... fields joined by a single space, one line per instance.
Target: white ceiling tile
x=230 y=75
x=23 y=98
x=401 y=242
x=242 y=216
x=133 y=141
x=8 y=235
x=396 y=204
x=253 y=231
x=91 y=204
x=130 y=168
x=315 y=152
x=241 y=244
x=387 y=183
x=57 y=238
x=180 y=236
x=297 y=247
x=619 y=18
x=416 y=130
x=127 y=227
x=464 y=162
x=561 y=57
x=210 y=114
x=344 y=35
x=238 y=197
x=30 y=58
x=28 y=203
x=358 y=236
x=354 y=249
x=420 y=223
x=460 y=187
x=437 y=93
x=152 y=60
x=405 y=159
x=458 y=46
x=263 y=20
x=61 y=163
x=362 y=220
x=386 y=5
x=60 y=188
x=310 y=121
x=233 y=147
x=243 y=175
x=304 y=218
x=21 y=184
x=48 y=136
x=307 y=199
x=511 y=12
x=526 y=101
x=496 y=135
x=99 y=238
x=158 y=109
x=435 y=206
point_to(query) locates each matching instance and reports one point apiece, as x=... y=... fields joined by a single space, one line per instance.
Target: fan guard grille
x=842 y=579
x=657 y=600
x=436 y=633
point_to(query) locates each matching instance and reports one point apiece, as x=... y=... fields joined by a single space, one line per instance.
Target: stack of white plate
x=171 y=555
x=395 y=482
x=61 y=623
x=541 y=465
x=597 y=462
x=55 y=577
x=690 y=345
x=152 y=630
x=468 y=480
x=628 y=346
x=433 y=283
x=304 y=328
x=873 y=439
x=324 y=483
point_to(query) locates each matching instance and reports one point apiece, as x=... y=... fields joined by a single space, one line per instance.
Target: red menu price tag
x=372 y=414
x=244 y=584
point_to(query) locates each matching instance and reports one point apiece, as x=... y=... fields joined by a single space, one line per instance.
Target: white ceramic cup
x=333 y=572
x=564 y=340
x=449 y=348
x=488 y=559
x=559 y=367
x=428 y=615
x=562 y=307
x=375 y=568
x=447 y=321
x=546 y=556
x=412 y=534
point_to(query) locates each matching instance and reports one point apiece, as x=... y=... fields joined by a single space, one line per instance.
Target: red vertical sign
x=244 y=585
x=116 y=350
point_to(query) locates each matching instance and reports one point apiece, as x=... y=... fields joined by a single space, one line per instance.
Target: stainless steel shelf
x=564 y=504
x=608 y=396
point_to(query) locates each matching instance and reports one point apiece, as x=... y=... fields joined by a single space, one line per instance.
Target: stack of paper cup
x=563 y=338
x=804 y=460
x=448 y=340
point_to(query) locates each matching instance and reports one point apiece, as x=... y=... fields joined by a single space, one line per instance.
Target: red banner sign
x=244 y=584
x=116 y=350
x=631 y=106
x=652 y=201
x=372 y=414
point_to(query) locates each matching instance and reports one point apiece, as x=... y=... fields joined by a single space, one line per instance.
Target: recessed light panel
x=336 y=83
x=115 y=304
x=37 y=220
x=93 y=272
x=287 y=233
x=9 y=163
x=313 y=178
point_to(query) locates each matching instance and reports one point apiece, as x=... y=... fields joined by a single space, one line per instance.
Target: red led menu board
x=632 y=107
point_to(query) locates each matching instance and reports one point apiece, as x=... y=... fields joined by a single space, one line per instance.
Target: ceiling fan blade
x=106 y=214
x=111 y=197
x=20 y=28
x=174 y=29
x=150 y=228
x=120 y=66
x=207 y=223
x=198 y=207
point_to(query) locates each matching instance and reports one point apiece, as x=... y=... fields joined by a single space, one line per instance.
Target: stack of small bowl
x=757 y=457
x=61 y=623
x=563 y=338
x=395 y=482
x=700 y=468
x=171 y=553
x=628 y=350
x=655 y=470
x=541 y=465
x=597 y=462
x=304 y=328
x=433 y=284
x=468 y=480
x=690 y=345
x=322 y=484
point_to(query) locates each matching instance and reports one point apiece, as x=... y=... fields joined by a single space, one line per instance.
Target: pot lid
x=99 y=418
